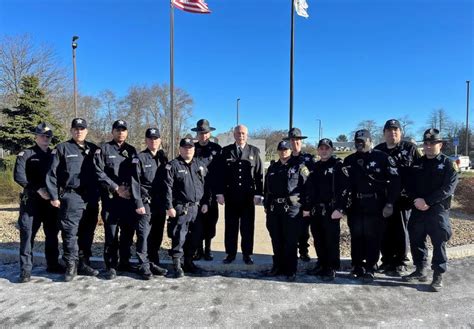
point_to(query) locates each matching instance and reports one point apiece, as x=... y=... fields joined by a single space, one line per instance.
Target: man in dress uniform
x=114 y=169
x=208 y=152
x=433 y=180
x=149 y=167
x=395 y=240
x=375 y=186
x=283 y=200
x=296 y=139
x=30 y=171
x=71 y=182
x=329 y=198
x=185 y=196
x=241 y=188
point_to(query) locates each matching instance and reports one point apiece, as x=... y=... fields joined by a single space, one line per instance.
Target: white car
x=463 y=162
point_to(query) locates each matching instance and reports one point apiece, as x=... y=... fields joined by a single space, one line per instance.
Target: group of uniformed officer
x=377 y=188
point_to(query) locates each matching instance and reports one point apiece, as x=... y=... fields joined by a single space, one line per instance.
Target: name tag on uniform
x=71 y=155
x=34 y=159
x=147 y=166
x=112 y=156
x=251 y=157
x=182 y=171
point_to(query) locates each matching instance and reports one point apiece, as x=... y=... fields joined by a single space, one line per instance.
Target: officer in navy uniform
x=208 y=152
x=329 y=198
x=71 y=181
x=240 y=188
x=149 y=166
x=433 y=179
x=284 y=198
x=186 y=195
x=375 y=186
x=296 y=139
x=114 y=169
x=30 y=171
x=395 y=240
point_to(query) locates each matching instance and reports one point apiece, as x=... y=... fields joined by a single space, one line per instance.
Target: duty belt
x=366 y=195
x=187 y=204
x=280 y=200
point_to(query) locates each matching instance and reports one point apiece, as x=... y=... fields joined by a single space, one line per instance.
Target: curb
x=261 y=262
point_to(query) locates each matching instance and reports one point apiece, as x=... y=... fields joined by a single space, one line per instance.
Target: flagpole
x=291 y=61
x=172 y=149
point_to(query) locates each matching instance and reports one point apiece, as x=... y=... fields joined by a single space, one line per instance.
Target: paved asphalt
x=235 y=299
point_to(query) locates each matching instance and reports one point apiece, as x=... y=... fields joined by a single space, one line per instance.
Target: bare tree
x=406 y=122
x=374 y=129
x=19 y=57
x=271 y=137
x=439 y=119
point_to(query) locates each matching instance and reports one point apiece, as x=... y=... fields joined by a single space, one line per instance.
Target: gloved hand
x=387 y=210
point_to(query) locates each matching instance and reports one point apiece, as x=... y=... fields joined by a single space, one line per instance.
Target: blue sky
x=354 y=59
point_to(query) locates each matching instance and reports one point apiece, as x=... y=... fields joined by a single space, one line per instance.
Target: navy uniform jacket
x=434 y=180
x=404 y=154
x=286 y=181
x=31 y=167
x=73 y=169
x=373 y=172
x=114 y=165
x=148 y=177
x=329 y=184
x=240 y=176
x=308 y=159
x=185 y=183
x=209 y=154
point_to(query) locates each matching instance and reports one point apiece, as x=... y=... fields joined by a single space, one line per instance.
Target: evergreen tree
x=16 y=133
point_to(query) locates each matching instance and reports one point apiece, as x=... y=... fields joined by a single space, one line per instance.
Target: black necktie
x=239 y=152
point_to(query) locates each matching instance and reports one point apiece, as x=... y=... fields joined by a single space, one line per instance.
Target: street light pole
x=238 y=101
x=74 y=46
x=467 y=119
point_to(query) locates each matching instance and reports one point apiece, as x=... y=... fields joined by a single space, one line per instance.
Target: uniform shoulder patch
x=304 y=171
x=97 y=151
x=54 y=151
x=392 y=161
x=168 y=167
x=345 y=171
x=135 y=160
x=21 y=153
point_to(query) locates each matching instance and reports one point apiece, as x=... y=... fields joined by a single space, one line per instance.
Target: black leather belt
x=366 y=195
x=280 y=200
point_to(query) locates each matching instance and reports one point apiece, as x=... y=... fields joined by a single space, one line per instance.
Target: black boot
x=437 y=283
x=207 y=251
x=56 y=268
x=85 y=269
x=110 y=274
x=178 y=271
x=71 y=272
x=418 y=275
x=145 y=272
x=157 y=270
x=25 y=276
x=199 y=253
x=190 y=267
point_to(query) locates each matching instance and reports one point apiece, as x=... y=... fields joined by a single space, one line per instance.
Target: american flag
x=192 y=6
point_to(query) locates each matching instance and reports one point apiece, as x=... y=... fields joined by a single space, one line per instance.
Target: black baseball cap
x=283 y=145
x=325 y=141
x=152 y=133
x=392 y=123
x=79 y=123
x=186 y=142
x=43 y=129
x=363 y=134
x=119 y=124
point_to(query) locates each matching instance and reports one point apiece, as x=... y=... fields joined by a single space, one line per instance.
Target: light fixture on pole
x=74 y=46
